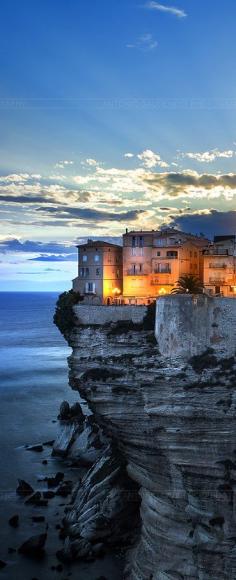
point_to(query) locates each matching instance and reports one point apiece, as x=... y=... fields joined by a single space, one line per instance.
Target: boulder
x=14 y=521
x=24 y=488
x=34 y=546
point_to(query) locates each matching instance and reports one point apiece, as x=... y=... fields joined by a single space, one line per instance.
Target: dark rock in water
x=48 y=494
x=33 y=499
x=36 y=499
x=38 y=519
x=14 y=521
x=64 y=411
x=34 y=546
x=24 y=488
x=76 y=411
x=38 y=448
x=2 y=564
x=64 y=489
x=55 y=480
x=45 y=462
x=48 y=443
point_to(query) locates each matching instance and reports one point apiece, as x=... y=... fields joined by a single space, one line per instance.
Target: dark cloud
x=175 y=184
x=214 y=223
x=15 y=245
x=66 y=212
x=26 y=199
x=55 y=258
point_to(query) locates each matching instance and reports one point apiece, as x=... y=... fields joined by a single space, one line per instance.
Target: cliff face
x=176 y=429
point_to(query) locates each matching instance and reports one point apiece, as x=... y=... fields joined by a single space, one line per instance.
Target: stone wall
x=87 y=314
x=188 y=325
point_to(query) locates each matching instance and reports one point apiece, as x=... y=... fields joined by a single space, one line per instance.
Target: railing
x=164 y=271
x=217 y=281
x=216 y=252
x=217 y=265
x=132 y=272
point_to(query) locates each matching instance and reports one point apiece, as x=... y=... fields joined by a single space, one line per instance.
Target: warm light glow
x=234 y=289
x=162 y=291
x=116 y=291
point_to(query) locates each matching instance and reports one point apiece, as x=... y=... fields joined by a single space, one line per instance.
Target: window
x=140 y=267
x=90 y=288
x=133 y=241
x=172 y=254
x=117 y=273
x=96 y=258
x=85 y=258
x=163 y=268
x=84 y=272
x=133 y=251
x=98 y=271
x=158 y=253
x=141 y=241
x=141 y=251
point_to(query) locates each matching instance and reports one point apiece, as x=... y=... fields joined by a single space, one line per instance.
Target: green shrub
x=64 y=315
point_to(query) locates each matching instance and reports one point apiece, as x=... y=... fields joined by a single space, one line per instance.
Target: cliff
x=173 y=424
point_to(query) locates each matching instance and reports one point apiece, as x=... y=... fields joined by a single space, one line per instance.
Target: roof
x=98 y=244
x=231 y=238
x=164 y=232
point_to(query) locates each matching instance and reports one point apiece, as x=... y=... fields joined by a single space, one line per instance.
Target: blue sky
x=112 y=115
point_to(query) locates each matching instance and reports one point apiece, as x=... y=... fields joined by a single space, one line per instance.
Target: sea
x=33 y=383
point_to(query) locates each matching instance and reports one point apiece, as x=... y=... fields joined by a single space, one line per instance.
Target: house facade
x=220 y=266
x=153 y=261
x=100 y=275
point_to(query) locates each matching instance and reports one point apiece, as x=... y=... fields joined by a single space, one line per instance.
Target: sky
x=113 y=115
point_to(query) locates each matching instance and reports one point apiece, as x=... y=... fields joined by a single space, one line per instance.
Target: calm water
x=34 y=381
x=32 y=351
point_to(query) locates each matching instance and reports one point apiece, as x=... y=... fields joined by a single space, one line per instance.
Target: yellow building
x=153 y=261
x=99 y=277
x=220 y=266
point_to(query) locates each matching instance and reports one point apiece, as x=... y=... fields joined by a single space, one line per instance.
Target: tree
x=64 y=315
x=188 y=284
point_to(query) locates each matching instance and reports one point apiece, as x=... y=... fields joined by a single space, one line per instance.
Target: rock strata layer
x=175 y=427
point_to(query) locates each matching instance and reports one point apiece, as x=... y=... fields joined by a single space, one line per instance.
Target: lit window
x=96 y=258
x=85 y=258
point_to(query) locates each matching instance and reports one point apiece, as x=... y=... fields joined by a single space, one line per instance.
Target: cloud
x=169 y=9
x=91 y=214
x=211 y=222
x=209 y=156
x=90 y=162
x=191 y=183
x=128 y=155
x=146 y=43
x=150 y=159
x=55 y=258
x=63 y=164
x=29 y=246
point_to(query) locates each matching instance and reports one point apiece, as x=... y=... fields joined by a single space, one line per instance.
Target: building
x=153 y=261
x=100 y=273
x=220 y=266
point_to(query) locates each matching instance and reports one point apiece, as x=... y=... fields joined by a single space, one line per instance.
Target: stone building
x=220 y=266
x=100 y=273
x=153 y=261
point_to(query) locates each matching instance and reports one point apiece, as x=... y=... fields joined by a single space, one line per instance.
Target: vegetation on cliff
x=64 y=315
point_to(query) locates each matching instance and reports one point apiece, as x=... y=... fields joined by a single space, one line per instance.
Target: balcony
x=216 y=252
x=217 y=265
x=217 y=281
x=132 y=272
x=163 y=271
